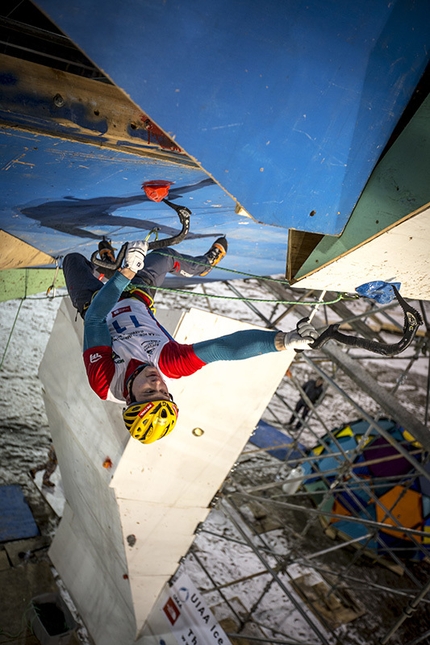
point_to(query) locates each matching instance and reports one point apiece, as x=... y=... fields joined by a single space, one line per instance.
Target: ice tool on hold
x=412 y=320
x=156 y=191
x=378 y=290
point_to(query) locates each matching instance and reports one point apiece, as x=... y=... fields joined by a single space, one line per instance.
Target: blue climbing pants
x=82 y=276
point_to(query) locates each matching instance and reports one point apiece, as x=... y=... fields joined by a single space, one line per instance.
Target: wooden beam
x=16 y=254
x=54 y=102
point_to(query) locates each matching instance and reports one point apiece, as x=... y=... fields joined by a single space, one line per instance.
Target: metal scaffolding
x=309 y=583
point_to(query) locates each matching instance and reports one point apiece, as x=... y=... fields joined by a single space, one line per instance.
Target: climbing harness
x=184 y=217
x=412 y=320
x=139 y=293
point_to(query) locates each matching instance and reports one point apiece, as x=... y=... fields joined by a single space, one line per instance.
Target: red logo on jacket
x=121 y=310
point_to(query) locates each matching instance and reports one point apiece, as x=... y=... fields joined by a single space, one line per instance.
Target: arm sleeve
x=96 y=331
x=100 y=369
x=178 y=360
x=237 y=346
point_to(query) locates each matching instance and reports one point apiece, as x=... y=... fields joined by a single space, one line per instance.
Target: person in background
x=313 y=390
x=49 y=468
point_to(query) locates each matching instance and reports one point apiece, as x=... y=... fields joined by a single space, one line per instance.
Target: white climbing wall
x=400 y=253
x=125 y=527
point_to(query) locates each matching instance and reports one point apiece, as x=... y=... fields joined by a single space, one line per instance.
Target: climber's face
x=149 y=385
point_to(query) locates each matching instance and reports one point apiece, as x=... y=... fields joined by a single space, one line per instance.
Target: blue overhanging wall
x=283 y=112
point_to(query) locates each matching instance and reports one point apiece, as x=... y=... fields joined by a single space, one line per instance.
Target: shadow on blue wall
x=72 y=215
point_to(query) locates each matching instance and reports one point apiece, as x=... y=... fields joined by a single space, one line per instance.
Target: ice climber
x=128 y=354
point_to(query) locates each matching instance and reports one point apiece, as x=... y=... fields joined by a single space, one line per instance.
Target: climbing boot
x=107 y=254
x=106 y=251
x=215 y=254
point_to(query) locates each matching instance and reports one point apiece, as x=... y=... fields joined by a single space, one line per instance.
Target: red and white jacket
x=136 y=338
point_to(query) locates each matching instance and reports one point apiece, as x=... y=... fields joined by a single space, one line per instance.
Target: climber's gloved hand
x=135 y=255
x=301 y=337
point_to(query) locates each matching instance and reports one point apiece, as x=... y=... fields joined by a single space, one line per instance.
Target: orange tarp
x=405 y=506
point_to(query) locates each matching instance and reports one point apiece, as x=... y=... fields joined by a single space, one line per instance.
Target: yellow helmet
x=150 y=421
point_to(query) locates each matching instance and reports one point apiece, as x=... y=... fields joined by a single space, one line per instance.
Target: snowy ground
x=221 y=554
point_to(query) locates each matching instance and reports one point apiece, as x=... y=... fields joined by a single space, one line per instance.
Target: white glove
x=301 y=337
x=135 y=255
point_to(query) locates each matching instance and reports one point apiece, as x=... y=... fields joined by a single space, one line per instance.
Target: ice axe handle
x=184 y=217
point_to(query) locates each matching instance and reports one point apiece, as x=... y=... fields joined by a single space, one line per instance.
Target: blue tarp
x=16 y=519
x=266 y=436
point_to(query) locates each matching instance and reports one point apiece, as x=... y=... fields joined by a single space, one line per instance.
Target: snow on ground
x=228 y=559
x=23 y=422
x=25 y=327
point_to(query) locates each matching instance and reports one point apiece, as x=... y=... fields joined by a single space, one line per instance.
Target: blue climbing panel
x=288 y=106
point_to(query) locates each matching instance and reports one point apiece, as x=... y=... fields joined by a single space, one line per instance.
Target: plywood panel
x=94 y=578
x=138 y=518
x=20 y=283
x=16 y=254
x=400 y=254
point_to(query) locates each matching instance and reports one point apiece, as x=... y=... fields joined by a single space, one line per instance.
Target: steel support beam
x=388 y=403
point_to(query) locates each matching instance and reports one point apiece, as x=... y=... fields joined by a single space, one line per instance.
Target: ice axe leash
x=184 y=217
x=412 y=320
